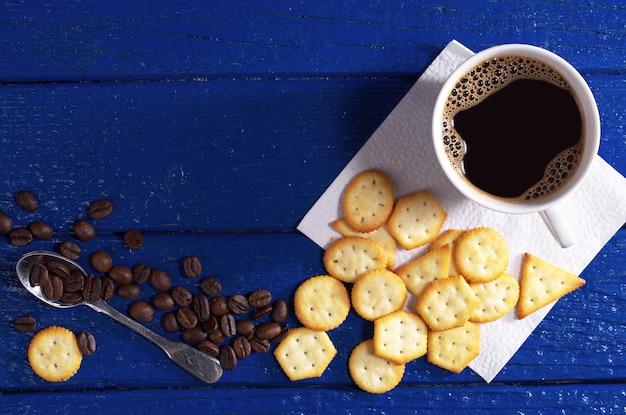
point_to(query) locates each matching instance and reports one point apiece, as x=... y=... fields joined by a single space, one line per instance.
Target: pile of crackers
x=459 y=282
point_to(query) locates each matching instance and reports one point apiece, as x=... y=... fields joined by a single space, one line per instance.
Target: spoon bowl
x=202 y=366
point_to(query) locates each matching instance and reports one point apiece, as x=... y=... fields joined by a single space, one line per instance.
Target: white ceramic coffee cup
x=547 y=206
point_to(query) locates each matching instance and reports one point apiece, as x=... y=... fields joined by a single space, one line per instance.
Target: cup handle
x=556 y=221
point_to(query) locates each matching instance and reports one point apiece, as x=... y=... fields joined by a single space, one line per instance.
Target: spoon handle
x=199 y=364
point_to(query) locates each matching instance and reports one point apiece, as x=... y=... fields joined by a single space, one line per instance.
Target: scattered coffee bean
x=84 y=230
x=201 y=306
x=27 y=201
x=210 y=324
x=108 y=288
x=260 y=298
x=259 y=346
x=70 y=250
x=238 y=304
x=121 y=274
x=209 y=348
x=6 y=224
x=100 y=209
x=141 y=311
x=41 y=230
x=216 y=336
x=25 y=324
x=101 y=261
x=141 y=273
x=133 y=239
x=74 y=282
x=181 y=296
x=86 y=343
x=186 y=317
x=163 y=301
x=192 y=267
x=284 y=331
x=211 y=286
x=262 y=312
x=20 y=237
x=37 y=273
x=242 y=348
x=129 y=291
x=160 y=280
x=267 y=331
x=170 y=323
x=280 y=311
x=219 y=306
x=228 y=325
x=227 y=357
x=245 y=328
x=193 y=334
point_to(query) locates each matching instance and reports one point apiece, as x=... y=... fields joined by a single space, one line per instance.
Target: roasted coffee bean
x=159 y=280
x=228 y=325
x=219 y=306
x=280 y=311
x=284 y=331
x=216 y=336
x=210 y=324
x=129 y=291
x=100 y=209
x=53 y=289
x=163 y=301
x=193 y=334
x=92 y=289
x=201 y=306
x=260 y=298
x=181 y=296
x=37 y=273
x=70 y=250
x=227 y=357
x=59 y=269
x=133 y=239
x=267 y=331
x=101 y=261
x=170 y=323
x=74 y=282
x=121 y=274
x=186 y=317
x=20 y=237
x=108 y=288
x=259 y=346
x=141 y=273
x=245 y=328
x=209 y=348
x=84 y=230
x=238 y=304
x=27 y=201
x=41 y=230
x=192 y=267
x=86 y=343
x=25 y=324
x=141 y=311
x=242 y=348
x=72 y=297
x=262 y=312
x=6 y=224
x=211 y=286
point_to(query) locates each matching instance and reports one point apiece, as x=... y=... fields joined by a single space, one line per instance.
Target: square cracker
x=400 y=336
x=447 y=303
x=416 y=219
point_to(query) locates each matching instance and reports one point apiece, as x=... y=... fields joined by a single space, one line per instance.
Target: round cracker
x=481 y=255
x=349 y=257
x=368 y=200
x=54 y=355
x=371 y=373
x=321 y=303
x=495 y=298
x=377 y=293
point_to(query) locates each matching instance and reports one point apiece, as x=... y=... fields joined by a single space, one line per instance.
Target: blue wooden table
x=213 y=127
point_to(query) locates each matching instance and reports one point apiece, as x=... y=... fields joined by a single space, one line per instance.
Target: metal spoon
x=199 y=364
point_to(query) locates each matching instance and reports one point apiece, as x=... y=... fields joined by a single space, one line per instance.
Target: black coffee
x=512 y=128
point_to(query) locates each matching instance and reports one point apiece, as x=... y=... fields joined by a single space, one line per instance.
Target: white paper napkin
x=402 y=148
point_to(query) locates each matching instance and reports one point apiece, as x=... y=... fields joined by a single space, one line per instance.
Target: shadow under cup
x=507 y=100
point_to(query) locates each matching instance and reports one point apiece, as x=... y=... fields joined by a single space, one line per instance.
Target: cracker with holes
x=543 y=283
x=416 y=219
x=481 y=254
x=448 y=237
x=54 y=355
x=349 y=257
x=495 y=298
x=305 y=353
x=381 y=236
x=321 y=303
x=400 y=337
x=447 y=303
x=368 y=200
x=420 y=272
x=372 y=373
x=377 y=293
x=455 y=348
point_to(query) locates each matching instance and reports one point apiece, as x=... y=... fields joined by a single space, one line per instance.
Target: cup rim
x=587 y=106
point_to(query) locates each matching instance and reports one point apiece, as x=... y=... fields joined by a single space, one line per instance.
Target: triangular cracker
x=543 y=283
x=420 y=272
x=380 y=235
